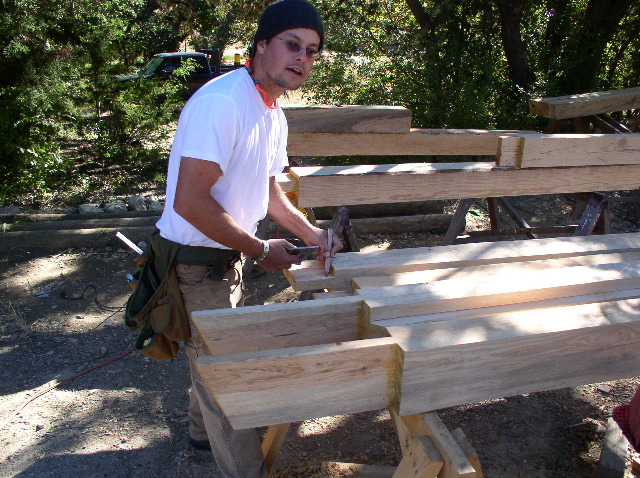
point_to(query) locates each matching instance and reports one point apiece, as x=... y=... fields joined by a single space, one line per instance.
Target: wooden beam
x=563 y=150
x=310 y=276
x=379 y=328
x=276 y=326
x=371 y=184
x=417 y=142
x=506 y=269
x=347 y=119
x=463 y=361
x=430 y=365
x=286 y=182
x=279 y=386
x=463 y=294
x=586 y=104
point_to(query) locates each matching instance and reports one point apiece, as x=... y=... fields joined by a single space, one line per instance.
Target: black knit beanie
x=284 y=15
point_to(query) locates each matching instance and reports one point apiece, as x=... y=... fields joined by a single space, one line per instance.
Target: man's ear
x=260 y=46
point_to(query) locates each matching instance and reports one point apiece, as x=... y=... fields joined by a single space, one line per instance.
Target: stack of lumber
x=422 y=329
x=527 y=164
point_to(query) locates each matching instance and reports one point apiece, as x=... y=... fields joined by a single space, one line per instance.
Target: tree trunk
x=511 y=12
x=420 y=14
x=584 y=55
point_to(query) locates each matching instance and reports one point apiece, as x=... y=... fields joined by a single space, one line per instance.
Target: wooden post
x=272 y=442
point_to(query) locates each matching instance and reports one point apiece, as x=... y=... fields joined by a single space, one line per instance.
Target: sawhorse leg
x=272 y=442
x=425 y=440
x=596 y=214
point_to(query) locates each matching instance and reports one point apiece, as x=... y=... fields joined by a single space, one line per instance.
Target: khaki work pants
x=237 y=452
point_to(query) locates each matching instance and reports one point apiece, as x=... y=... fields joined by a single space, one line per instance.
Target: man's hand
x=320 y=238
x=278 y=257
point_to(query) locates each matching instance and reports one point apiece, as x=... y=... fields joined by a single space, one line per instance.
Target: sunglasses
x=294 y=47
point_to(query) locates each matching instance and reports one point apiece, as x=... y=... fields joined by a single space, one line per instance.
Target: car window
x=152 y=66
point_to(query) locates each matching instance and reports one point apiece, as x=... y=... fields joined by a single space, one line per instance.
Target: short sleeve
x=207 y=134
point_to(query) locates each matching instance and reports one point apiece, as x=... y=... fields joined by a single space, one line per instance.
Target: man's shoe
x=200 y=445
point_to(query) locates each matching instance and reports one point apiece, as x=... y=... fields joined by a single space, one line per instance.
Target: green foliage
x=445 y=61
x=452 y=77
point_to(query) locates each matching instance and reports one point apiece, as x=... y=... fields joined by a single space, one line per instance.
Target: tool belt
x=155 y=307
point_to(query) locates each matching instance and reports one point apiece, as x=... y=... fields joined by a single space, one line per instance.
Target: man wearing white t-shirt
x=229 y=145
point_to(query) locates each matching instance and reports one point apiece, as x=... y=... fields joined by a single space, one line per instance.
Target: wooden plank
x=572 y=106
x=272 y=442
x=286 y=182
x=417 y=142
x=498 y=355
x=463 y=361
x=421 y=460
x=310 y=276
x=462 y=294
x=292 y=324
x=279 y=386
x=561 y=150
x=379 y=328
x=613 y=457
x=347 y=119
x=371 y=184
x=509 y=268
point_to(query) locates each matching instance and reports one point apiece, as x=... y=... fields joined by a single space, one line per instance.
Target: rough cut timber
x=463 y=361
x=347 y=119
x=344 y=267
x=290 y=362
x=372 y=184
x=463 y=294
x=586 y=104
x=430 y=366
x=286 y=385
x=506 y=269
x=417 y=142
x=561 y=150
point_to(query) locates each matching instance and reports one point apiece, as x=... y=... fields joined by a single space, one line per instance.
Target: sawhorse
x=595 y=218
x=429 y=450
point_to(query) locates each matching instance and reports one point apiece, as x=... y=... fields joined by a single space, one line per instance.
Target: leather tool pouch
x=155 y=307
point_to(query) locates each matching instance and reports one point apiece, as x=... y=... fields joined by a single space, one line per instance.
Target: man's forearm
x=286 y=215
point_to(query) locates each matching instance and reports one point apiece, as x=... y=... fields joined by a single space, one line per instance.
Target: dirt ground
x=120 y=414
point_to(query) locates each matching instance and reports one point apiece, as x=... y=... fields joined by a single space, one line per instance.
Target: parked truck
x=208 y=65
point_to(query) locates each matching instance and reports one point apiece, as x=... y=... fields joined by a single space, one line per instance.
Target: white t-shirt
x=226 y=121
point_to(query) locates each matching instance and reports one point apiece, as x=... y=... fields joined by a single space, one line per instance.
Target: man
x=229 y=145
